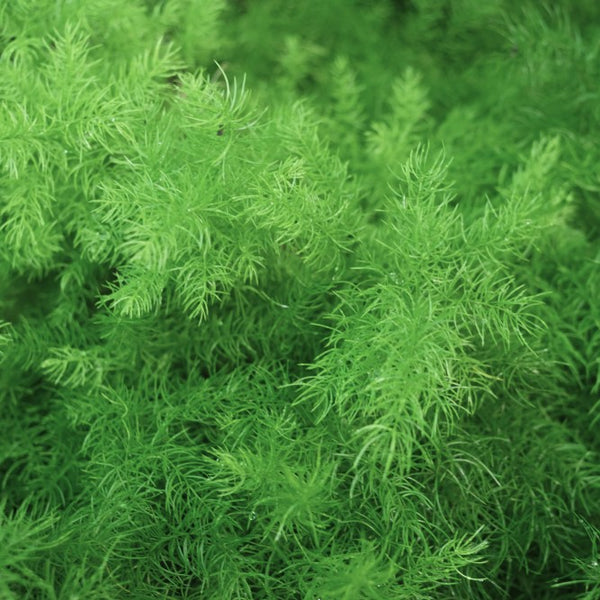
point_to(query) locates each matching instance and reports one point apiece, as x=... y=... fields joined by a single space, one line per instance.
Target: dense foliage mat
x=299 y=300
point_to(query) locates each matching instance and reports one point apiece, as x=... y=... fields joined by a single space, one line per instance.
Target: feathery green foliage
x=299 y=300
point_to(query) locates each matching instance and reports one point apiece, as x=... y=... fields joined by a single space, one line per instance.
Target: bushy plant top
x=299 y=300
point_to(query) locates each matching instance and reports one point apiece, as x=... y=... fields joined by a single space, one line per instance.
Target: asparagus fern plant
x=299 y=300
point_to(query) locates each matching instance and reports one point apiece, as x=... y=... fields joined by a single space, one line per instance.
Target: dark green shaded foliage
x=299 y=300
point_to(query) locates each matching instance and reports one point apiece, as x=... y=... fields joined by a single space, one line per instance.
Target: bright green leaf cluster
x=299 y=300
